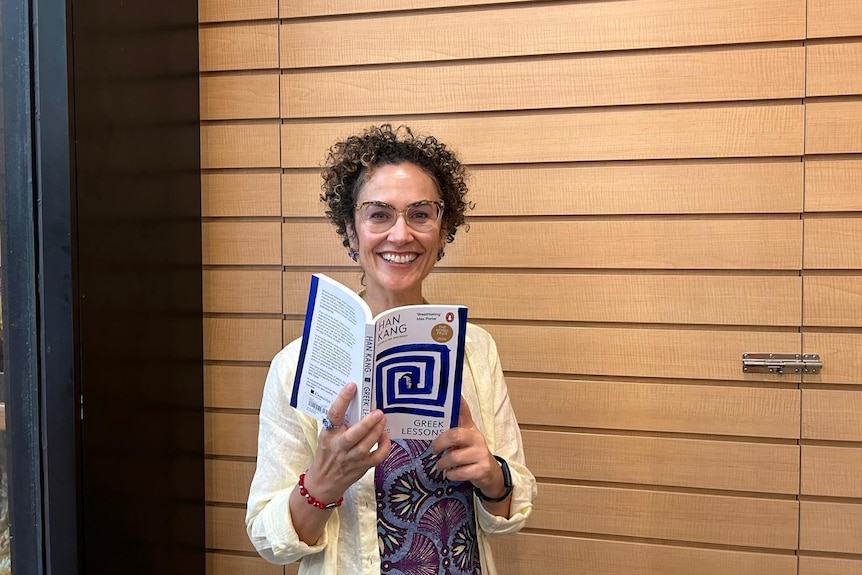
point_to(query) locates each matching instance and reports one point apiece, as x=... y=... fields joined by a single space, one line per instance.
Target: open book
x=407 y=361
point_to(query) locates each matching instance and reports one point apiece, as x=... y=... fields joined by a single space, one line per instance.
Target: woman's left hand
x=466 y=456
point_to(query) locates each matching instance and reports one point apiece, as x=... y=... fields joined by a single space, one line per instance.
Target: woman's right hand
x=344 y=454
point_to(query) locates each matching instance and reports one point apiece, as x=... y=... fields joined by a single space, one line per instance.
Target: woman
x=347 y=499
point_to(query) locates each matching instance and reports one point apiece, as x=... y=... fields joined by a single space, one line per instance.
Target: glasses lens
x=378 y=217
x=423 y=217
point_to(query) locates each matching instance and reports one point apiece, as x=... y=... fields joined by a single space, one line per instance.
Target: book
x=406 y=361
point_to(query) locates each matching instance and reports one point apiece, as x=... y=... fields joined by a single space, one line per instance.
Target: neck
x=380 y=301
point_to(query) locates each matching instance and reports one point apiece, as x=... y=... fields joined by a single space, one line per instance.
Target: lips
x=399 y=258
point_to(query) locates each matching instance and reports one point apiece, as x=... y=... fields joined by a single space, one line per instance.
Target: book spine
x=367 y=385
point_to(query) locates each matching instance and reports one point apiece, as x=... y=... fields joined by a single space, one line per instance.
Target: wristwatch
x=507 y=483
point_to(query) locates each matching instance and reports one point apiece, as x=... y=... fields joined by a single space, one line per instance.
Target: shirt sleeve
x=504 y=438
x=286 y=443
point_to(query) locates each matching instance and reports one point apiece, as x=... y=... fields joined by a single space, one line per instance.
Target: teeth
x=399 y=258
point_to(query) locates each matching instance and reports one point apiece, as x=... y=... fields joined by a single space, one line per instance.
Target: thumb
x=465 y=418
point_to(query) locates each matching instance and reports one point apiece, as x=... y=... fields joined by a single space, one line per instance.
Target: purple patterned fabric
x=425 y=524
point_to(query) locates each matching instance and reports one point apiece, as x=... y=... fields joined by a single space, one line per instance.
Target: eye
x=378 y=215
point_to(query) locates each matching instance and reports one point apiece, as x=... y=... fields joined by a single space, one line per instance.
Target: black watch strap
x=507 y=483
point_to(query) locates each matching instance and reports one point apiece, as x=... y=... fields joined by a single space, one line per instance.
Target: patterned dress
x=425 y=524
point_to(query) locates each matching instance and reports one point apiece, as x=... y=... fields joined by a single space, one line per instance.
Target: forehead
x=398 y=184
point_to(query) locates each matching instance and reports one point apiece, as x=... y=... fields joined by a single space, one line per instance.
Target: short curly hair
x=349 y=164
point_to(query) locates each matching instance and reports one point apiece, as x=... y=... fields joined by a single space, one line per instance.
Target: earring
x=440 y=254
x=353 y=254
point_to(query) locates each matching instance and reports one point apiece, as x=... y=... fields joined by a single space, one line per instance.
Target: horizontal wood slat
x=833 y=527
x=831 y=18
x=626 y=134
x=834 y=301
x=831 y=414
x=228 y=10
x=701 y=244
x=621 y=78
x=615 y=188
x=829 y=566
x=239 y=96
x=240 y=145
x=833 y=127
x=637 y=352
x=228 y=481
x=841 y=354
x=637 y=298
x=233 y=386
x=226 y=529
x=520 y=30
x=831 y=471
x=833 y=69
x=224 y=564
x=833 y=185
x=242 y=291
x=246 y=46
x=288 y=9
x=833 y=243
x=233 y=339
x=240 y=193
x=694 y=463
x=241 y=243
x=232 y=434
x=530 y=553
x=657 y=407
x=719 y=520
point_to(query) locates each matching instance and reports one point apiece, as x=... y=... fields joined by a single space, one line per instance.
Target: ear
x=352 y=240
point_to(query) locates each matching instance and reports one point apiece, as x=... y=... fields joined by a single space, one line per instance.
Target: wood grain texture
x=720 y=520
x=833 y=185
x=618 y=78
x=240 y=193
x=833 y=69
x=231 y=434
x=241 y=243
x=635 y=298
x=831 y=527
x=229 y=10
x=833 y=243
x=242 y=291
x=524 y=554
x=833 y=127
x=831 y=414
x=831 y=471
x=829 y=566
x=228 y=481
x=841 y=354
x=226 y=529
x=609 y=189
x=239 y=96
x=253 y=145
x=694 y=463
x=637 y=352
x=701 y=244
x=834 y=301
x=288 y=9
x=246 y=46
x=624 y=134
x=224 y=564
x=656 y=407
x=520 y=30
x=235 y=339
x=233 y=386
x=833 y=18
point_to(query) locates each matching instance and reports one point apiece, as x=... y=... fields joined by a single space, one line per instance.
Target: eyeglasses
x=421 y=216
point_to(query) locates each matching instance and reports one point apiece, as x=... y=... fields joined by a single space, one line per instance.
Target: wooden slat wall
x=660 y=187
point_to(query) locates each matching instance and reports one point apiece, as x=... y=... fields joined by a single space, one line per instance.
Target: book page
x=418 y=363
x=332 y=348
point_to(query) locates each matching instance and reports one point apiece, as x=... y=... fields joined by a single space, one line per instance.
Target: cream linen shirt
x=288 y=439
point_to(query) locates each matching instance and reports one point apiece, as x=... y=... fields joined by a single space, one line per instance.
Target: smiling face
x=397 y=260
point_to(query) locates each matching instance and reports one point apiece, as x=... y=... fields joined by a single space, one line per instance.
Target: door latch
x=781 y=363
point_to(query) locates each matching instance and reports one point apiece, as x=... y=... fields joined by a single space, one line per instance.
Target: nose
x=400 y=232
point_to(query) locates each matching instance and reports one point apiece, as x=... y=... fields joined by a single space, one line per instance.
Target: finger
x=365 y=427
x=339 y=406
x=465 y=418
x=375 y=433
x=378 y=456
x=450 y=439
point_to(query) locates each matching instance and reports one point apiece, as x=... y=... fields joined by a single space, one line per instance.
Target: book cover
x=407 y=361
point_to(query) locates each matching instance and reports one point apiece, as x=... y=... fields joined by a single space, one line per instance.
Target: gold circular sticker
x=442 y=333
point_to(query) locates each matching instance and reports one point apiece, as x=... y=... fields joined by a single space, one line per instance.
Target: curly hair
x=349 y=164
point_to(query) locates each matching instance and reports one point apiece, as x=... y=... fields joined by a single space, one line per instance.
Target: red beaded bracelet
x=312 y=501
